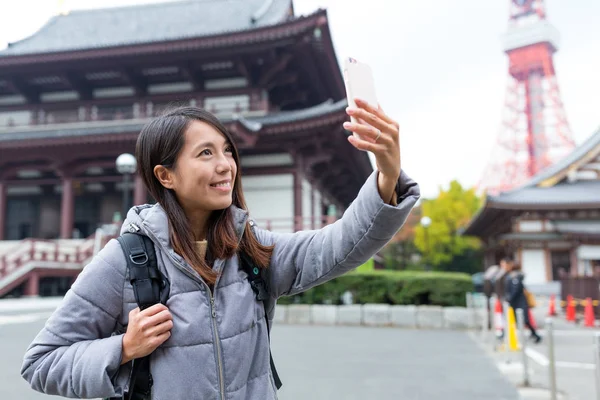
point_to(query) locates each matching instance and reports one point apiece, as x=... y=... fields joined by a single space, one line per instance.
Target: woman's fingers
x=365 y=131
x=375 y=117
x=160 y=317
x=376 y=111
x=362 y=144
x=160 y=328
x=369 y=118
x=379 y=134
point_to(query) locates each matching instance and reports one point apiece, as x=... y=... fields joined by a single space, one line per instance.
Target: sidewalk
x=19 y=305
x=511 y=366
x=574 y=352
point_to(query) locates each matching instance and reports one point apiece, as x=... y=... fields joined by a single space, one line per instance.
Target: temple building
x=75 y=95
x=552 y=223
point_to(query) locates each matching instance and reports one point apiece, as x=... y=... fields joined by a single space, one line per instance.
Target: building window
x=21 y=217
x=561 y=264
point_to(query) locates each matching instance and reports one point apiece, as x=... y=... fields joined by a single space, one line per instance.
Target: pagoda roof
x=559 y=171
x=561 y=186
x=149 y=23
x=282 y=117
x=580 y=194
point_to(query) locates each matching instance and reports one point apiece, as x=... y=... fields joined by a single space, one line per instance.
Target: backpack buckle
x=259 y=287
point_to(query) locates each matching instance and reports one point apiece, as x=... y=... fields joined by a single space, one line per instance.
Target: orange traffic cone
x=570 y=308
x=552 y=306
x=498 y=319
x=532 y=320
x=589 y=318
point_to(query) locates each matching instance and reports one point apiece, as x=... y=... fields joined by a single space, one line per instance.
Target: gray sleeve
x=75 y=354
x=306 y=259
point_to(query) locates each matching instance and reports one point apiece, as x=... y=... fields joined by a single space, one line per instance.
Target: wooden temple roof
x=571 y=184
x=149 y=23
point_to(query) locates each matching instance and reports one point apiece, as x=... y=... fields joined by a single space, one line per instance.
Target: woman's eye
x=205 y=152
x=229 y=149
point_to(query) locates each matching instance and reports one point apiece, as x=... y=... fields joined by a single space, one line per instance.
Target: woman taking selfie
x=209 y=340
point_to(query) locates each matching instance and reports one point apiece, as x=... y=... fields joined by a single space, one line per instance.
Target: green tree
x=441 y=243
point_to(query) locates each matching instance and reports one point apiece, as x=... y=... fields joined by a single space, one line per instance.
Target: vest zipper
x=212 y=300
x=214 y=318
x=212 y=311
x=218 y=343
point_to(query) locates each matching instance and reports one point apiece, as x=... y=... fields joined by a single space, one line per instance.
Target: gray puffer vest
x=219 y=346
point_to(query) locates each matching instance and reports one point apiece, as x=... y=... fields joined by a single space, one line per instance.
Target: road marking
x=23 y=319
x=576 y=365
x=537 y=357
x=566 y=332
x=542 y=360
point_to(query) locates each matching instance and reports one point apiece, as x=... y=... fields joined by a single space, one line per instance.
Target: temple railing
x=91 y=112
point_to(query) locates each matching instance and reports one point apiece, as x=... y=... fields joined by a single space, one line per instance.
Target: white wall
x=318 y=209
x=531 y=226
x=589 y=252
x=585 y=255
x=271 y=197
x=227 y=104
x=18 y=118
x=534 y=266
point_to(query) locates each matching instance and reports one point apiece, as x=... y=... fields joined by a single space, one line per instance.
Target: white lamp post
x=426 y=222
x=126 y=165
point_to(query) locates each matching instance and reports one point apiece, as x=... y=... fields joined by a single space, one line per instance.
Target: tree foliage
x=441 y=242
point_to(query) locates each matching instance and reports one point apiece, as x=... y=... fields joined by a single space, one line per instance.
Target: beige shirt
x=201 y=247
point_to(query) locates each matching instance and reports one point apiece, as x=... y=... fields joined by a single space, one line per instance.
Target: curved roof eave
x=148 y=23
x=260 y=34
x=555 y=173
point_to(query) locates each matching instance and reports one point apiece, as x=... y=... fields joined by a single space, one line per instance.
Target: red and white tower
x=535 y=132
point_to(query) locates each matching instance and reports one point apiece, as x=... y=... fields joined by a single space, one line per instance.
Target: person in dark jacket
x=210 y=338
x=514 y=293
x=505 y=266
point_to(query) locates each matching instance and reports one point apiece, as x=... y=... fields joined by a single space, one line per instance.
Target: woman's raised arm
x=305 y=259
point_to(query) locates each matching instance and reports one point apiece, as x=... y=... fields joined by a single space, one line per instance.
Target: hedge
x=390 y=287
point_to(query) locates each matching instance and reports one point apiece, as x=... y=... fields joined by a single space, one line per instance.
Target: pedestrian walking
x=515 y=294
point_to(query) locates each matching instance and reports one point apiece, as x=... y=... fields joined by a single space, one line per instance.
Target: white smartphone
x=359 y=81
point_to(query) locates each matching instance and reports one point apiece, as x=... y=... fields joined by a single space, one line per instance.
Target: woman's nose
x=223 y=164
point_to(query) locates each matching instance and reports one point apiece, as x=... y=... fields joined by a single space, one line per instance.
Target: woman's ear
x=164 y=176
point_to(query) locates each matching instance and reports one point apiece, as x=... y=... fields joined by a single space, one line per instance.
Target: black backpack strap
x=145 y=278
x=149 y=287
x=260 y=288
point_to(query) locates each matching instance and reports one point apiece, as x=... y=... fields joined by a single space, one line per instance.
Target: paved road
x=378 y=363
x=331 y=363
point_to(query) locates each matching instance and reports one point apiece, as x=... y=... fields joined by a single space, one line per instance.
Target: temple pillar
x=313 y=204
x=32 y=287
x=2 y=209
x=298 y=178
x=67 y=209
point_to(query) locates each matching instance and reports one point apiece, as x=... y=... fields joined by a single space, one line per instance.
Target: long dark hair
x=160 y=143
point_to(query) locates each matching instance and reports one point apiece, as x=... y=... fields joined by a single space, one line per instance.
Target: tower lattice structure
x=535 y=132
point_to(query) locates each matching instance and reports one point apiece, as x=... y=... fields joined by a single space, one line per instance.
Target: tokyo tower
x=534 y=133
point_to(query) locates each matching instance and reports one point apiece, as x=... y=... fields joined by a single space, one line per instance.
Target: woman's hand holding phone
x=379 y=134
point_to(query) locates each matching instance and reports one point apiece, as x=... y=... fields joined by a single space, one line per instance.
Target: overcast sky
x=438 y=65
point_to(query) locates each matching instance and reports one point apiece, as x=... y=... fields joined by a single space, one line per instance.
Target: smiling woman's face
x=205 y=170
